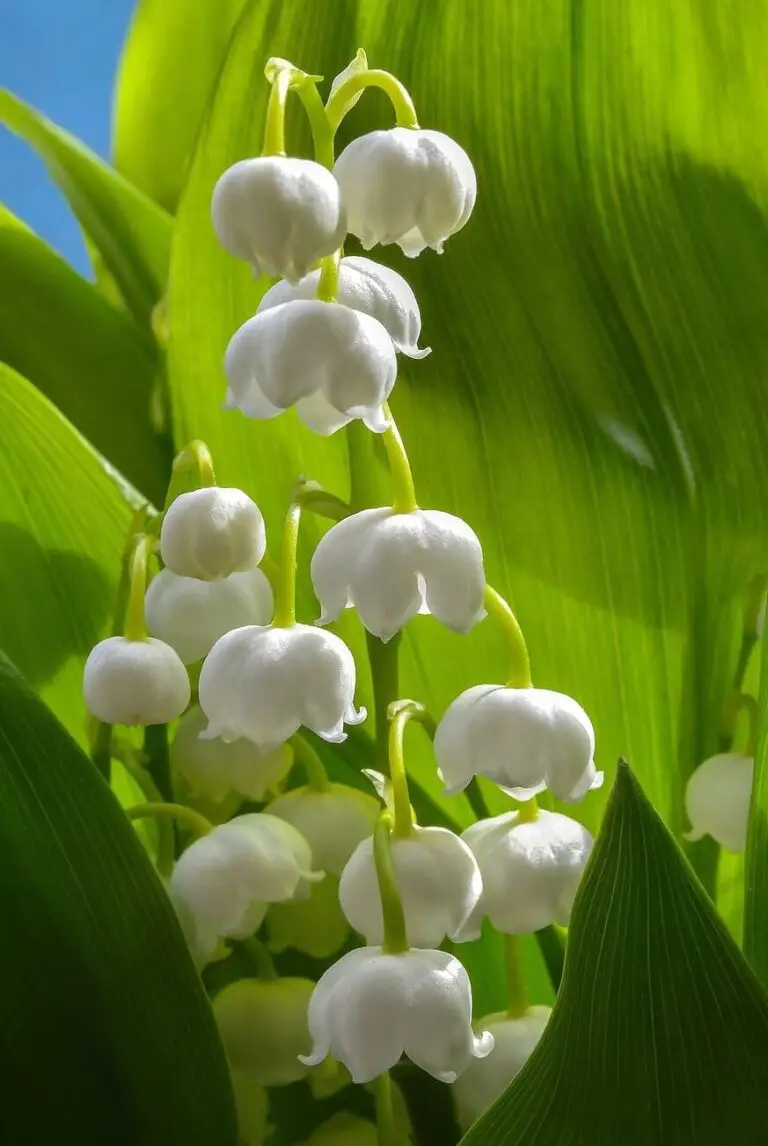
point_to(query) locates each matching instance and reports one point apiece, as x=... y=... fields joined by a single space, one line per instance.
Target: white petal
x=135 y=682
x=454 y=738
x=333 y=821
x=212 y=532
x=332 y=558
x=717 y=799
x=484 y=1080
x=211 y=768
x=318 y=415
x=452 y=565
x=440 y=1038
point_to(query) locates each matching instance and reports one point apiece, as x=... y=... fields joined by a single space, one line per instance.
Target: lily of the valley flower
x=406 y=186
x=263 y=1025
x=391 y=566
x=213 y=769
x=530 y=870
x=438 y=879
x=222 y=883
x=369 y=287
x=279 y=213
x=263 y=683
x=485 y=1079
x=370 y=1008
x=330 y=361
x=211 y=533
x=191 y=615
x=524 y=739
x=717 y=799
x=135 y=682
x=334 y=821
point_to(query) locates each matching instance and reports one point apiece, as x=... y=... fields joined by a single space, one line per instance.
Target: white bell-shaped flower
x=330 y=361
x=264 y=683
x=367 y=286
x=391 y=566
x=485 y=1079
x=370 y=1008
x=212 y=768
x=408 y=186
x=530 y=870
x=190 y=615
x=717 y=799
x=438 y=880
x=279 y=213
x=263 y=1025
x=222 y=883
x=135 y=682
x=211 y=533
x=333 y=821
x=524 y=739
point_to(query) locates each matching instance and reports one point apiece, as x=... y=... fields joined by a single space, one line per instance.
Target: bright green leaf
x=756 y=865
x=102 y=1005
x=660 y=1032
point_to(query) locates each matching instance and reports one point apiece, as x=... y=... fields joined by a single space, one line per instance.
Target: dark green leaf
x=756 y=866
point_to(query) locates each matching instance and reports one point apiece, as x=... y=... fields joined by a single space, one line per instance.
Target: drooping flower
x=407 y=186
x=222 y=883
x=279 y=213
x=438 y=879
x=333 y=821
x=330 y=361
x=524 y=739
x=391 y=566
x=717 y=799
x=213 y=768
x=211 y=533
x=370 y=1008
x=530 y=870
x=369 y=287
x=315 y=925
x=135 y=682
x=485 y=1079
x=263 y=1025
x=264 y=683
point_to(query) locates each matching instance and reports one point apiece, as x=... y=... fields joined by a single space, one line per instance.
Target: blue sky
x=59 y=55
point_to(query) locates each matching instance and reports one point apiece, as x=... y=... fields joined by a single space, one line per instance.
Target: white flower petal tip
x=135 y=682
x=370 y=1008
x=264 y=683
x=369 y=287
x=485 y=1079
x=280 y=214
x=330 y=361
x=333 y=820
x=190 y=614
x=407 y=186
x=222 y=883
x=717 y=799
x=389 y=566
x=212 y=768
x=530 y=870
x=521 y=738
x=438 y=879
x=212 y=532
x=263 y=1026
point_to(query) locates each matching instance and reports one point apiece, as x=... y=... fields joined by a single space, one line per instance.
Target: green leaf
x=90 y=360
x=102 y=1003
x=756 y=864
x=660 y=1031
x=131 y=233
x=167 y=73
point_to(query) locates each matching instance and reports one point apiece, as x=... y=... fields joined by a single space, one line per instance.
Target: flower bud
x=406 y=186
x=370 y=1008
x=438 y=880
x=190 y=615
x=524 y=739
x=135 y=682
x=264 y=683
x=279 y=213
x=333 y=821
x=717 y=799
x=263 y=1025
x=315 y=925
x=369 y=287
x=211 y=533
x=530 y=870
x=213 y=768
x=333 y=363
x=391 y=566
x=485 y=1079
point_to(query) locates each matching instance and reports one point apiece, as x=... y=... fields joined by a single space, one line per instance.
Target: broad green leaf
x=660 y=1031
x=167 y=74
x=64 y=516
x=102 y=1004
x=756 y=865
x=131 y=233
x=92 y=362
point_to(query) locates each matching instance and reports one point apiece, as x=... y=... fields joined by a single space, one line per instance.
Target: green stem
x=166 y=838
x=158 y=758
x=395 y=935
x=322 y=134
x=383 y=659
x=400 y=713
x=135 y=535
x=274 y=127
x=135 y=626
x=187 y=816
x=317 y=777
x=749 y=705
x=405 y=112
x=328 y=285
x=528 y=811
x=520 y=664
x=517 y=1000
x=285 y=590
x=477 y=800
x=403 y=489
x=259 y=958
x=101 y=751
x=385 y=1115
x=192 y=469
